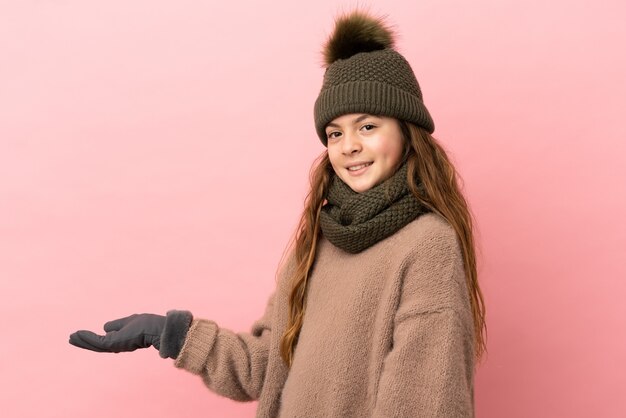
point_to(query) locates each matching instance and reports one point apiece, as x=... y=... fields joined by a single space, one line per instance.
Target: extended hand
x=124 y=334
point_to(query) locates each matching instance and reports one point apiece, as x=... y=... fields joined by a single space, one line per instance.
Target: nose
x=351 y=143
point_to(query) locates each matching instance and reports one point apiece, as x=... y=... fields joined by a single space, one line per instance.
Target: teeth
x=358 y=167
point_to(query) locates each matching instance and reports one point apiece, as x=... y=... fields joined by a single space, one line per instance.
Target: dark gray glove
x=165 y=333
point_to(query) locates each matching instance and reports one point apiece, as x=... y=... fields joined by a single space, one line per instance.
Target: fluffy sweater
x=387 y=332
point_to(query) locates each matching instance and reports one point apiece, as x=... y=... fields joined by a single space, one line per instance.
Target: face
x=358 y=138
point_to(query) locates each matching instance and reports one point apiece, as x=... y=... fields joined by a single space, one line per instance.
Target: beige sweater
x=387 y=333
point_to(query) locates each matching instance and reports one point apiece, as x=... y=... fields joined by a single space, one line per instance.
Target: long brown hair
x=428 y=161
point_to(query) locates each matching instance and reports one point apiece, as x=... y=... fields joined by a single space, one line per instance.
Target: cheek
x=333 y=160
x=389 y=150
x=332 y=157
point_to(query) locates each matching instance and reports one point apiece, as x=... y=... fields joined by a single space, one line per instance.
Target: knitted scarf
x=355 y=221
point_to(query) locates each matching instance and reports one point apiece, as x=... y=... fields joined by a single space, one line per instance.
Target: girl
x=377 y=310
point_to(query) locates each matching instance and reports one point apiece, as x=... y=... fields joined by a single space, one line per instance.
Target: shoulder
x=428 y=233
x=435 y=243
x=432 y=225
x=433 y=269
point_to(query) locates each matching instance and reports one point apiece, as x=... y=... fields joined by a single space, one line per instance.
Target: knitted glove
x=165 y=333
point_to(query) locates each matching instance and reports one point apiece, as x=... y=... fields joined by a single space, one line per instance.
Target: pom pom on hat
x=357 y=32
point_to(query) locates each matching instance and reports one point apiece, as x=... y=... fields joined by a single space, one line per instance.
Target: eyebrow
x=355 y=121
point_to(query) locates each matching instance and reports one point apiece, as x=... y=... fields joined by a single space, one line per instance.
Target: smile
x=358 y=167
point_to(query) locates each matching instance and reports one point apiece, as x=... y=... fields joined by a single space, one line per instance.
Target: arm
x=429 y=368
x=230 y=364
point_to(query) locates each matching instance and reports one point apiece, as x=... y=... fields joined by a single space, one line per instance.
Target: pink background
x=155 y=155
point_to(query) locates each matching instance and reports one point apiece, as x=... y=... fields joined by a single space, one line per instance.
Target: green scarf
x=354 y=221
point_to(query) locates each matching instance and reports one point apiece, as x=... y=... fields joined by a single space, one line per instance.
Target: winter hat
x=365 y=74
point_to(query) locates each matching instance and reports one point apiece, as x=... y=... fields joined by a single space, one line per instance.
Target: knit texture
x=387 y=332
x=355 y=221
x=377 y=82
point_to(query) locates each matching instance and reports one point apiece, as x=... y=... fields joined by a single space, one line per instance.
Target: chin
x=360 y=188
x=360 y=185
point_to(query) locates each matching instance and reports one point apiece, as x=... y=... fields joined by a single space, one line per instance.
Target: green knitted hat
x=364 y=74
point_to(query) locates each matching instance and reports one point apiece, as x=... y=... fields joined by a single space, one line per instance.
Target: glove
x=165 y=333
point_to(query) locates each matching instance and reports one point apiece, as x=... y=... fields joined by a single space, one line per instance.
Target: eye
x=331 y=135
x=368 y=127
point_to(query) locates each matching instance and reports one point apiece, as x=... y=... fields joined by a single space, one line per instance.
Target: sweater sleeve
x=428 y=370
x=231 y=364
